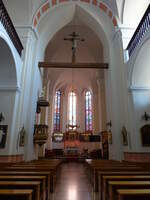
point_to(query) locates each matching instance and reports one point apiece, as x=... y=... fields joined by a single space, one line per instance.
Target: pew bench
x=50 y=169
x=47 y=174
x=15 y=194
x=94 y=166
x=114 y=185
x=96 y=170
x=41 y=179
x=106 y=179
x=133 y=194
x=101 y=174
x=34 y=185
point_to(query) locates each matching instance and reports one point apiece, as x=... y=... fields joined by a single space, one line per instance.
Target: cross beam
x=61 y=65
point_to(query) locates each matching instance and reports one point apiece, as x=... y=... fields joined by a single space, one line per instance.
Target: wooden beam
x=61 y=65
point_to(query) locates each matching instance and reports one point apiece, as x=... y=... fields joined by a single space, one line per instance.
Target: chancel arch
x=108 y=37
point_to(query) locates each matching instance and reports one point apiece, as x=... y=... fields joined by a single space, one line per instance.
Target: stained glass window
x=72 y=108
x=57 y=111
x=88 y=111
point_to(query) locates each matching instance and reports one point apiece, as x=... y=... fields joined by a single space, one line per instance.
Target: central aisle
x=73 y=183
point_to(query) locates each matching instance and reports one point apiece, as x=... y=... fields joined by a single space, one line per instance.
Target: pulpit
x=40 y=137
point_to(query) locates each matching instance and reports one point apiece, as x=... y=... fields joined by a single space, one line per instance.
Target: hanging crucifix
x=74 y=38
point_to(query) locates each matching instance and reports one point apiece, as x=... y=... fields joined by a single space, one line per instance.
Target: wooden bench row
x=38 y=177
x=113 y=179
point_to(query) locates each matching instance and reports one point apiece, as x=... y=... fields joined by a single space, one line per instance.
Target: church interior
x=74 y=100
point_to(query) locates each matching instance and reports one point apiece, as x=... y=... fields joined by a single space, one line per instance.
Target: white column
x=101 y=104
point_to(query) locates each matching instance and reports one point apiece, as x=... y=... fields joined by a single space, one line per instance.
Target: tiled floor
x=73 y=183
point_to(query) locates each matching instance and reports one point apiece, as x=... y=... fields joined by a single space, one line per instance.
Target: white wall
x=139 y=92
x=10 y=78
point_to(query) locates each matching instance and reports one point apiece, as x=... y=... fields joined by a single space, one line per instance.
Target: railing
x=8 y=25
x=141 y=30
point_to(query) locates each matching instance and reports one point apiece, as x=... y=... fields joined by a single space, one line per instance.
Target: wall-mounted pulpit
x=40 y=137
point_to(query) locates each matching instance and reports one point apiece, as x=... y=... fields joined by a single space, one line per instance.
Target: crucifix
x=74 y=38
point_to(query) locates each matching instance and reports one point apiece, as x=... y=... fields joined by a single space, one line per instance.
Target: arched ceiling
x=23 y=11
x=131 y=12
x=90 y=50
x=58 y=50
x=8 y=76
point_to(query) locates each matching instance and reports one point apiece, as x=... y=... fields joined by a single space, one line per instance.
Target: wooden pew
x=114 y=185
x=27 y=178
x=47 y=175
x=106 y=179
x=34 y=185
x=116 y=168
x=133 y=194
x=100 y=165
x=101 y=174
x=50 y=169
x=16 y=194
x=43 y=167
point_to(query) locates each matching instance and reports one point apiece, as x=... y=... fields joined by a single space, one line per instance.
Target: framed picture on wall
x=145 y=135
x=3 y=135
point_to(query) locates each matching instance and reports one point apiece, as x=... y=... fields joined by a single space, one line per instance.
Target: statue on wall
x=3 y=135
x=43 y=93
x=124 y=136
x=22 y=134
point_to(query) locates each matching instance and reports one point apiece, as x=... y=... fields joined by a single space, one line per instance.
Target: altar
x=75 y=144
x=71 y=143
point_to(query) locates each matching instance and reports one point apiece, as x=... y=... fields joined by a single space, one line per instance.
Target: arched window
x=72 y=108
x=57 y=111
x=88 y=111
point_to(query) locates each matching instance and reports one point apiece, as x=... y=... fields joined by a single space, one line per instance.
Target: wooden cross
x=74 y=38
x=61 y=65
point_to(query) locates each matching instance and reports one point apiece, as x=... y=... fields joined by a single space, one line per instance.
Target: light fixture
x=146 y=116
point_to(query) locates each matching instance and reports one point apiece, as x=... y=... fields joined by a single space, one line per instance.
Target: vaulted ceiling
x=58 y=50
x=128 y=8
x=22 y=12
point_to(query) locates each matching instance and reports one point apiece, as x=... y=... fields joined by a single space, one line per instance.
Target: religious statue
x=43 y=93
x=124 y=136
x=3 y=135
x=22 y=137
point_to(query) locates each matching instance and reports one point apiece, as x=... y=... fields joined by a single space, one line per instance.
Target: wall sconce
x=146 y=116
x=109 y=124
x=1 y=117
